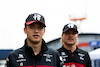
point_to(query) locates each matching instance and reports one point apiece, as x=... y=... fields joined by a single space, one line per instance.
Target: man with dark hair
x=70 y=54
x=34 y=53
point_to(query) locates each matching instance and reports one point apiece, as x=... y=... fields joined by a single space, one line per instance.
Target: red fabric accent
x=72 y=64
x=28 y=23
x=70 y=54
x=40 y=54
x=27 y=66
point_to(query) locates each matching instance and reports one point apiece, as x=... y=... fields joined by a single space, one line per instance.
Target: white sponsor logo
x=37 y=17
x=20 y=56
x=63 y=53
x=21 y=64
x=72 y=65
x=21 y=59
x=48 y=56
x=48 y=60
x=65 y=66
x=7 y=59
x=61 y=58
x=70 y=25
x=81 y=56
x=64 y=56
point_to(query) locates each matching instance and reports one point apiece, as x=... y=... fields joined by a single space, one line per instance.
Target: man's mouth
x=70 y=39
x=36 y=36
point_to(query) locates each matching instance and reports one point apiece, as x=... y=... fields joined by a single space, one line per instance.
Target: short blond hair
x=61 y=41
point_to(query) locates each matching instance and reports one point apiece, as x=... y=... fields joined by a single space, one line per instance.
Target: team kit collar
x=77 y=49
x=29 y=50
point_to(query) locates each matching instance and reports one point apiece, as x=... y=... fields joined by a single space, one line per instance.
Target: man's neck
x=36 y=47
x=72 y=47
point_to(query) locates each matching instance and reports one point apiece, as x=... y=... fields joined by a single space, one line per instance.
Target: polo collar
x=28 y=49
x=77 y=49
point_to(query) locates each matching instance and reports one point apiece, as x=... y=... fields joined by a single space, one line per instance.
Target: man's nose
x=36 y=30
x=70 y=34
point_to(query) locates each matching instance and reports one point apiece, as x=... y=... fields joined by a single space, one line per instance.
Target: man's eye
x=74 y=33
x=31 y=26
x=66 y=33
x=40 y=27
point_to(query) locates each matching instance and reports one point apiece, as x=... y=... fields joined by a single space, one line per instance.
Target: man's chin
x=35 y=41
x=70 y=44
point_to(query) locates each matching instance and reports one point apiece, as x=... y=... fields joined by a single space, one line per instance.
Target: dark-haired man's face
x=35 y=32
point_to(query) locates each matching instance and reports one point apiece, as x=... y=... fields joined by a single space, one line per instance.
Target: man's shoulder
x=52 y=50
x=82 y=51
x=16 y=51
x=60 y=49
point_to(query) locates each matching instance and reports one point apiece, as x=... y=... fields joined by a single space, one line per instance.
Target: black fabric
x=77 y=58
x=25 y=57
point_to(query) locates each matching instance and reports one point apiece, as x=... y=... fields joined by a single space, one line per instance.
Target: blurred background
x=57 y=13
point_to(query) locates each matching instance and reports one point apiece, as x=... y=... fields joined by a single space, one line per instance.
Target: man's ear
x=44 y=30
x=25 y=30
x=62 y=34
